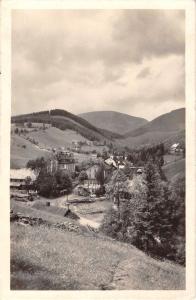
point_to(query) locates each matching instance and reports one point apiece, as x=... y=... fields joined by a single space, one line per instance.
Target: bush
x=100 y=192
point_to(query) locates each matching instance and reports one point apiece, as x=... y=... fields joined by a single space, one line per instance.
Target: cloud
x=148 y=33
x=144 y=73
x=83 y=60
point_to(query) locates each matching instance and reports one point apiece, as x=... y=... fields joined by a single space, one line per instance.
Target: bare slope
x=170 y=122
x=113 y=121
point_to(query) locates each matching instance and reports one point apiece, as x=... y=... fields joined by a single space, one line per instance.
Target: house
x=175 y=148
x=65 y=161
x=61 y=160
x=22 y=180
x=76 y=146
x=91 y=183
x=81 y=191
x=111 y=162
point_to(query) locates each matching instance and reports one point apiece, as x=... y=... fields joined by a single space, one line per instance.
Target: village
x=89 y=173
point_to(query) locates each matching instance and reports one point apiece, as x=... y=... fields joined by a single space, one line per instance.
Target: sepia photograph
x=98 y=150
x=97 y=179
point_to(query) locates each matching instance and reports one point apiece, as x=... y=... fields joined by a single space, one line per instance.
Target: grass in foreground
x=50 y=259
x=45 y=259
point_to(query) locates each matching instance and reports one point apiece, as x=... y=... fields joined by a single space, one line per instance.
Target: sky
x=130 y=61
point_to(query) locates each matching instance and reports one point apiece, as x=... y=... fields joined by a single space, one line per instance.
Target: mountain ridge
x=171 y=121
x=113 y=121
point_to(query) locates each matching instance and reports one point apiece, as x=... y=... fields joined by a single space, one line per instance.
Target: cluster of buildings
x=176 y=149
x=64 y=160
x=21 y=183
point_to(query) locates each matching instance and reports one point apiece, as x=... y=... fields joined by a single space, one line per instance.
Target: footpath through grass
x=44 y=258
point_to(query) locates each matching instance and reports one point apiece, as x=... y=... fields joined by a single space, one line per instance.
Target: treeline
x=149 y=213
x=141 y=156
x=52 y=117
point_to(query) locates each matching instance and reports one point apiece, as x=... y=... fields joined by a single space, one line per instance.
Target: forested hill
x=63 y=120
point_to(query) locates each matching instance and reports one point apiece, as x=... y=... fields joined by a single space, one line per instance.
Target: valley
x=53 y=220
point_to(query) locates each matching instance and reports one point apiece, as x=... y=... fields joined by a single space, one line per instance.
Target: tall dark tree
x=100 y=175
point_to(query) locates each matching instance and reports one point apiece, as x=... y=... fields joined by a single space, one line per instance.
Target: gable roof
x=22 y=174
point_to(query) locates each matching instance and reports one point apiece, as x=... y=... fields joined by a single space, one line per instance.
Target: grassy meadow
x=46 y=258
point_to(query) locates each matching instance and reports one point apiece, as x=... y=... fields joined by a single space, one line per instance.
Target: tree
x=16 y=131
x=64 y=181
x=82 y=176
x=46 y=184
x=28 y=183
x=177 y=219
x=100 y=175
x=37 y=164
x=29 y=124
x=117 y=185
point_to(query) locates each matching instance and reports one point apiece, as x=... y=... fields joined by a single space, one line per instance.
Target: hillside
x=174 y=168
x=22 y=151
x=54 y=137
x=47 y=258
x=146 y=139
x=113 y=121
x=65 y=120
x=170 y=122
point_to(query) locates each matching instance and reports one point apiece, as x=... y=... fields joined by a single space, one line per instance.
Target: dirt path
x=147 y=274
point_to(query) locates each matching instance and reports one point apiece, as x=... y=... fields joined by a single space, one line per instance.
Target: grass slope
x=114 y=121
x=174 y=168
x=45 y=258
x=22 y=151
x=173 y=121
x=54 y=137
x=146 y=139
x=63 y=120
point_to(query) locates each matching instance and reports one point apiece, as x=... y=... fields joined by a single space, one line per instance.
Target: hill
x=150 y=138
x=170 y=122
x=47 y=258
x=64 y=120
x=23 y=150
x=168 y=129
x=113 y=121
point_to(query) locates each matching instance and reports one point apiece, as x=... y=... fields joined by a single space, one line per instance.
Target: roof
x=110 y=162
x=175 y=145
x=15 y=184
x=22 y=174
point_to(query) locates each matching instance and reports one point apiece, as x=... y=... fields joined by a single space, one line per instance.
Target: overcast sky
x=130 y=61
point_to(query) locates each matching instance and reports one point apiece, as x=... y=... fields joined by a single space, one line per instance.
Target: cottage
x=175 y=148
x=91 y=183
x=111 y=162
x=22 y=180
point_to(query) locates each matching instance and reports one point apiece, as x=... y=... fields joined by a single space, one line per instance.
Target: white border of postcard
x=5 y=110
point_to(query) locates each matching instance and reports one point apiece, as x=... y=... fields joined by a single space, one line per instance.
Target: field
x=45 y=258
x=173 y=168
x=22 y=151
x=170 y=158
x=54 y=137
